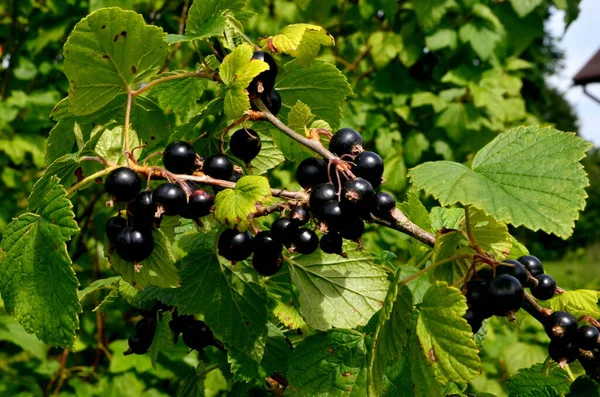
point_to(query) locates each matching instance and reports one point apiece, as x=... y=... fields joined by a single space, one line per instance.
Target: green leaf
x=445 y=217
x=446 y=246
x=571 y=8
x=158 y=269
x=579 y=303
x=430 y=12
x=163 y=337
x=329 y=363
x=98 y=285
x=270 y=156
x=536 y=378
x=299 y=119
x=491 y=235
x=302 y=41
x=122 y=363
x=457 y=118
x=277 y=352
x=321 y=86
x=179 y=95
x=37 y=282
x=415 y=210
x=234 y=206
x=107 y=53
x=209 y=18
x=445 y=337
x=441 y=39
x=110 y=145
x=482 y=36
x=234 y=305
x=503 y=182
x=12 y=332
x=338 y=292
x=584 y=386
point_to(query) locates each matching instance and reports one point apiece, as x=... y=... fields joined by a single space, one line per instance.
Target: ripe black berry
x=123 y=184
x=357 y=196
x=546 y=287
x=346 y=141
x=331 y=243
x=272 y=102
x=245 y=144
x=474 y=319
x=139 y=343
x=283 y=230
x=134 y=245
x=197 y=335
x=504 y=294
x=179 y=157
x=311 y=172
x=266 y=246
x=146 y=325
x=234 y=245
x=143 y=209
x=299 y=216
x=265 y=81
x=515 y=269
x=562 y=351
x=305 y=241
x=266 y=265
x=332 y=215
x=199 y=204
x=561 y=325
x=114 y=226
x=532 y=264
x=383 y=203
x=321 y=195
x=380 y=15
x=353 y=228
x=180 y=323
x=369 y=165
x=587 y=337
x=218 y=166
x=171 y=197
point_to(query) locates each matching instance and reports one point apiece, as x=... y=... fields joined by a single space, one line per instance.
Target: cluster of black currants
x=501 y=293
x=568 y=341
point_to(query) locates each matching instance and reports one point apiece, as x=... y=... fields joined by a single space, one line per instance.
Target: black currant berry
x=180 y=323
x=380 y=15
x=332 y=215
x=273 y=102
x=331 y=243
x=545 y=289
x=515 y=269
x=311 y=172
x=265 y=81
x=266 y=246
x=299 y=216
x=114 y=226
x=245 y=144
x=504 y=294
x=146 y=325
x=474 y=319
x=587 y=337
x=171 y=197
x=197 y=335
x=357 y=196
x=346 y=141
x=266 y=265
x=562 y=351
x=143 y=207
x=234 y=245
x=179 y=157
x=475 y=294
x=369 y=165
x=306 y=241
x=561 y=325
x=383 y=204
x=123 y=184
x=353 y=228
x=134 y=245
x=532 y=264
x=218 y=166
x=283 y=230
x=199 y=204
x=321 y=195
x=139 y=343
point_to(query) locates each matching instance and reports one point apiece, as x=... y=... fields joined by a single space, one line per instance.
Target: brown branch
x=399 y=221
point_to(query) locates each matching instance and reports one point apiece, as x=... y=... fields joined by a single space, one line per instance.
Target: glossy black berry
x=332 y=215
x=533 y=264
x=380 y=15
x=305 y=241
x=331 y=243
x=273 y=102
x=171 y=197
x=218 y=166
x=234 y=245
x=143 y=209
x=474 y=319
x=368 y=165
x=299 y=216
x=504 y=294
x=146 y=325
x=179 y=157
x=179 y=324
x=283 y=230
x=197 y=335
x=114 y=226
x=199 y=204
x=134 y=245
x=587 y=337
x=357 y=196
x=513 y=268
x=561 y=325
x=311 y=172
x=139 y=343
x=266 y=246
x=353 y=228
x=383 y=204
x=476 y=295
x=562 y=351
x=123 y=184
x=545 y=289
x=321 y=195
x=245 y=144
x=265 y=81
x=346 y=141
x=266 y=265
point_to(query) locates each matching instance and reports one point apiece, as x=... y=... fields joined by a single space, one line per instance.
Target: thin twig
x=200 y=74
x=127 y=117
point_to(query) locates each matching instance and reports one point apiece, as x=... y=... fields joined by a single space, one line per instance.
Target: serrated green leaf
x=37 y=282
x=430 y=12
x=329 y=363
x=543 y=194
x=579 y=303
x=338 y=292
x=584 y=386
x=423 y=378
x=107 y=53
x=491 y=235
x=277 y=352
x=233 y=206
x=289 y=316
x=482 y=39
x=536 y=378
x=179 y=95
x=163 y=338
x=97 y=285
x=299 y=119
x=209 y=18
x=302 y=41
x=445 y=217
x=110 y=145
x=446 y=246
x=11 y=331
x=415 y=210
x=457 y=118
x=517 y=249
x=445 y=337
x=441 y=39
x=524 y=7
